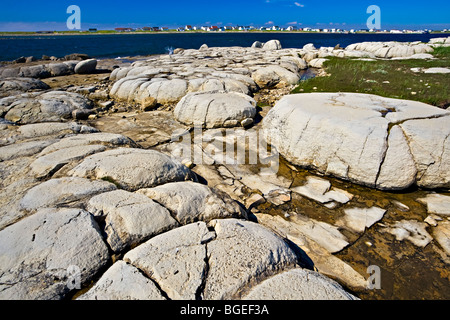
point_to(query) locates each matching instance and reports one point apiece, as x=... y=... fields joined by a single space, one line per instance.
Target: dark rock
x=77 y=56
x=20 y=60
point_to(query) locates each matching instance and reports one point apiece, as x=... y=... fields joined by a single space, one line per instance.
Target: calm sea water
x=112 y=46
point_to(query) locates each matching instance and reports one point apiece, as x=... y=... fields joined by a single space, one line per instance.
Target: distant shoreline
x=101 y=33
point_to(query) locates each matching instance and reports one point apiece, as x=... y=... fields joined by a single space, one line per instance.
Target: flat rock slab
x=190 y=202
x=363 y=138
x=411 y=230
x=442 y=235
x=63 y=191
x=317 y=240
x=358 y=219
x=148 y=129
x=130 y=218
x=212 y=110
x=132 y=169
x=299 y=284
x=437 y=203
x=37 y=252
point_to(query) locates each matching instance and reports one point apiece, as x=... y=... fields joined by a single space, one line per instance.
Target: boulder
x=366 y=139
x=189 y=202
x=130 y=218
x=257 y=44
x=215 y=109
x=123 y=282
x=274 y=76
x=86 y=66
x=234 y=267
x=309 y=47
x=176 y=260
x=12 y=86
x=52 y=106
x=317 y=63
x=132 y=169
x=47 y=255
x=272 y=45
x=76 y=56
x=48 y=164
x=299 y=284
x=62 y=191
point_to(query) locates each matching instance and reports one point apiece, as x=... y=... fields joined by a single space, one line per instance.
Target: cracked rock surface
x=384 y=143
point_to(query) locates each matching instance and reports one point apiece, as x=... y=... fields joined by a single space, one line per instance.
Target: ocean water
x=122 y=45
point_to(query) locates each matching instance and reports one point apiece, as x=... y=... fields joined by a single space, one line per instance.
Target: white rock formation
x=363 y=138
x=213 y=110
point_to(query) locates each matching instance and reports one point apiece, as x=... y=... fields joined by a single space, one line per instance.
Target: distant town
x=189 y=28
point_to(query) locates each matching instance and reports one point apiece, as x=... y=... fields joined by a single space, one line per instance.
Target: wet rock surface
x=112 y=207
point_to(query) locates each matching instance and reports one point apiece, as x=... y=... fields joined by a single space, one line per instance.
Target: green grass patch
x=387 y=78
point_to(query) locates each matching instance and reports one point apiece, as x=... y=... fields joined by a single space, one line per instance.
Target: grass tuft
x=387 y=78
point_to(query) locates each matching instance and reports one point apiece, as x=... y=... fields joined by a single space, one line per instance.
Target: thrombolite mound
x=378 y=142
x=215 y=109
x=167 y=79
x=43 y=107
x=200 y=261
x=133 y=169
x=11 y=86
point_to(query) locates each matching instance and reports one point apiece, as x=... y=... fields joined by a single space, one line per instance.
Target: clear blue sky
x=25 y=15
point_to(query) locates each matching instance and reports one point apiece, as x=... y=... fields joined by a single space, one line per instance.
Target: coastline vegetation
x=387 y=78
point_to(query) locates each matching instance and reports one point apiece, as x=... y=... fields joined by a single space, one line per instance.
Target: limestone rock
x=233 y=267
x=442 y=235
x=10 y=86
x=272 y=45
x=86 y=66
x=130 y=218
x=363 y=138
x=437 y=203
x=213 y=110
x=123 y=282
x=411 y=230
x=63 y=191
x=317 y=63
x=175 y=260
x=40 y=254
x=190 y=202
x=48 y=164
x=132 y=169
x=51 y=106
x=358 y=219
x=274 y=76
x=299 y=284
x=257 y=44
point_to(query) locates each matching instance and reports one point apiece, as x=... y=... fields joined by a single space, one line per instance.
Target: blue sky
x=28 y=15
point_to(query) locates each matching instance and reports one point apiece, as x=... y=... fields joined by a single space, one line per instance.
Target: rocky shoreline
x=104 y=195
